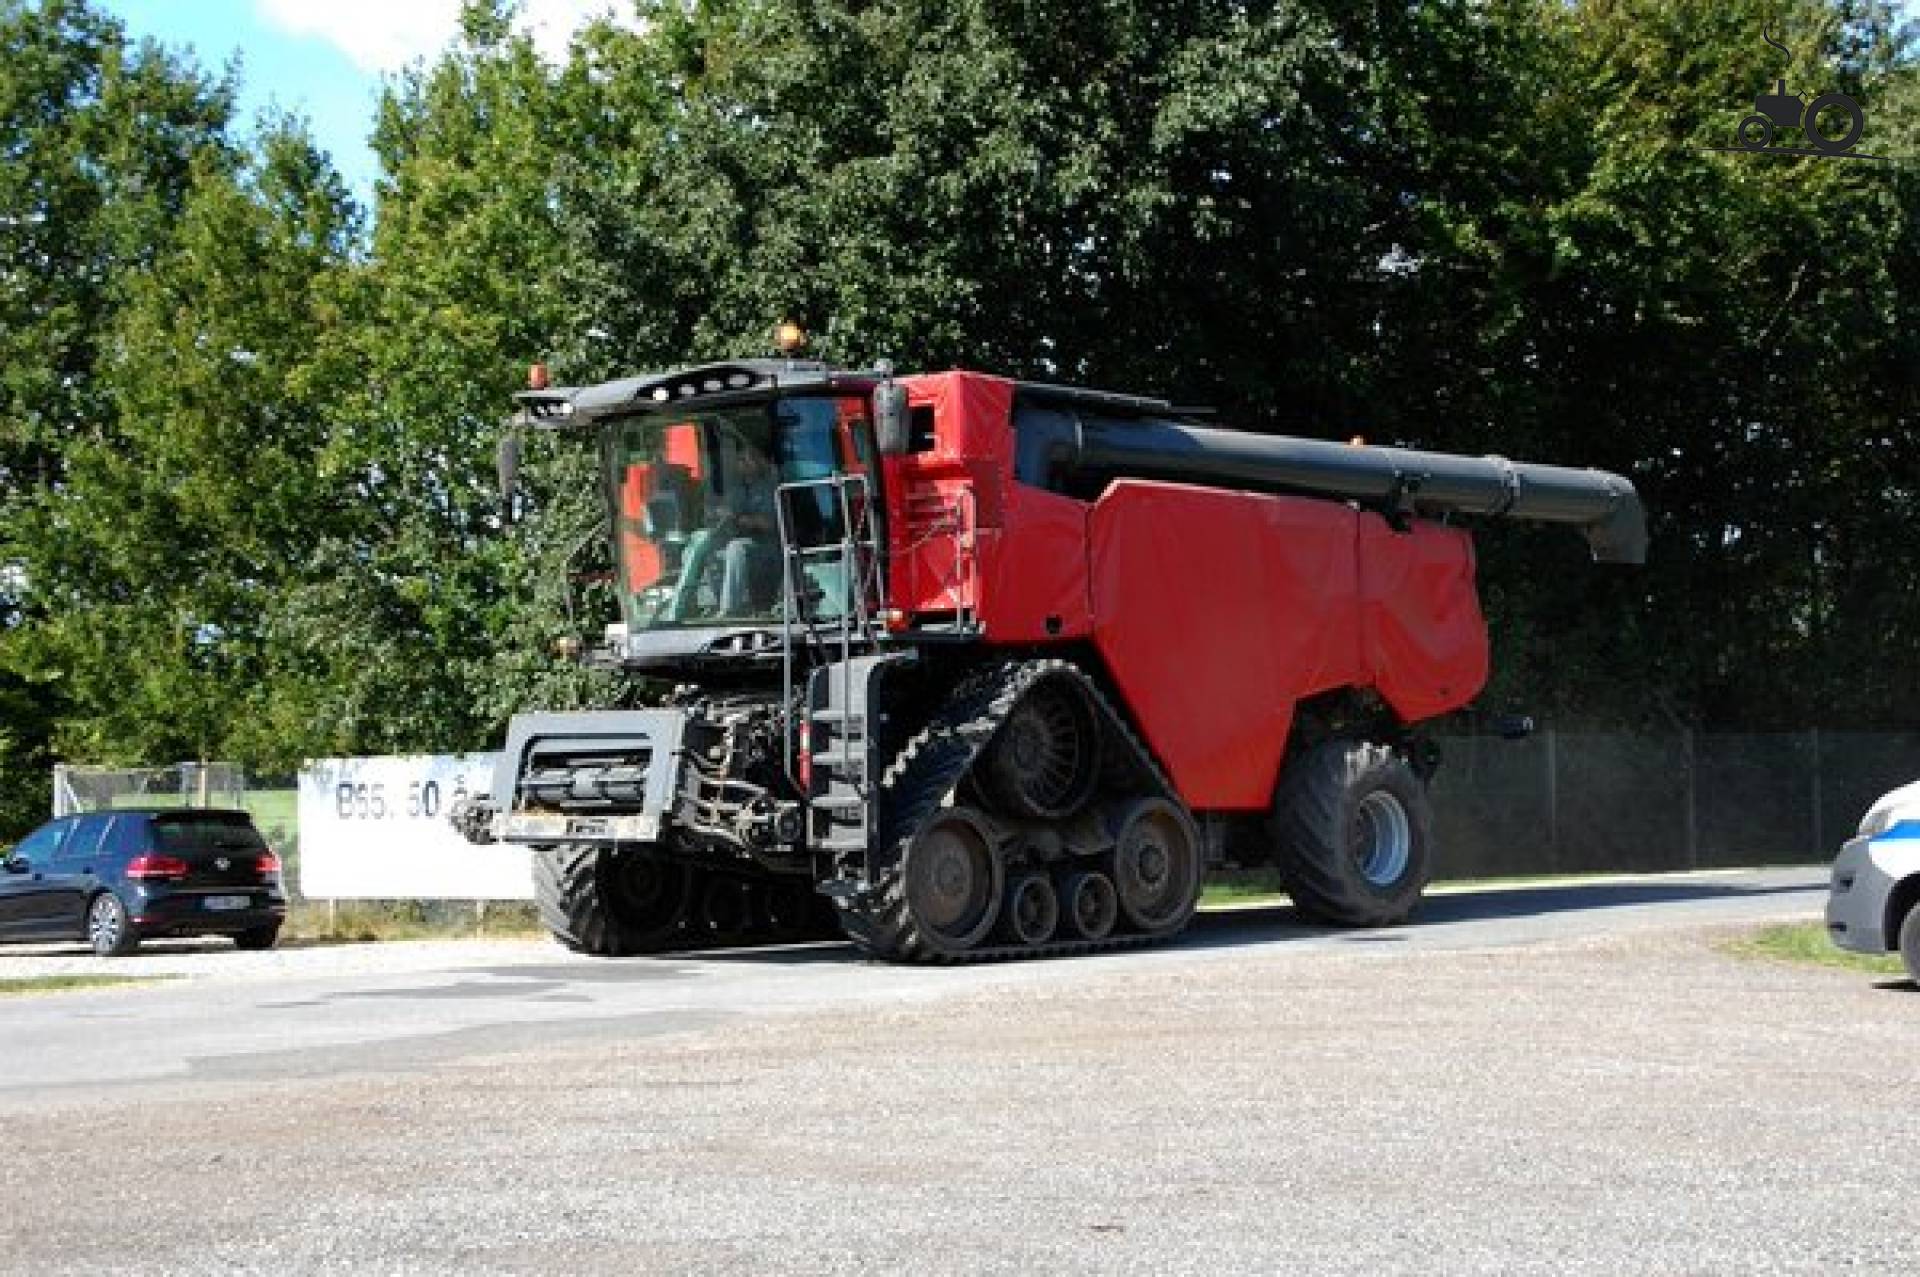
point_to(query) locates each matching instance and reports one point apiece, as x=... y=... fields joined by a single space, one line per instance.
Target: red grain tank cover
x=1217 y=611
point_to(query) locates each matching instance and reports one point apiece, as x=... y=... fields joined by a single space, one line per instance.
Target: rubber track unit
x=928 y=769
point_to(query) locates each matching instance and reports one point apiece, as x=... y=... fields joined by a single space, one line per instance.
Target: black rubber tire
x=1314 y=819
x=1910 y=943
x=109 y=930
x=1032 y=912
x=257 y=938
x=590 y=906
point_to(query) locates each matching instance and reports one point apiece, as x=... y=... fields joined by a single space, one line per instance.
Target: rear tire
x=610 y=902
x=1910 y=943
x=109 y=929
x=1354 y=831
x=257 y=938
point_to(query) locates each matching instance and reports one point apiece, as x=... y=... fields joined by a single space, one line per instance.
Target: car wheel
x=109 y=930
x=257 y=938
x=1910 y=943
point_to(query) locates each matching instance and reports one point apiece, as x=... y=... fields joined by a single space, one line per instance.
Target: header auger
x=982 y=669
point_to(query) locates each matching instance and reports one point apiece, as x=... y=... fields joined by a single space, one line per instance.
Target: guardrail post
x=1819 y=829
x=1693 y=795
x=1553 y=796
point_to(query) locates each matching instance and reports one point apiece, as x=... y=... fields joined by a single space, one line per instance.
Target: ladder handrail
x=855 y=617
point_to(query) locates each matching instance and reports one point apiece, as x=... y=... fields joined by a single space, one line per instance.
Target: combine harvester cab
x=1001 y=669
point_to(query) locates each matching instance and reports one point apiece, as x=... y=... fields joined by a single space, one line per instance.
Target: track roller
x=1090 y=904
x=1033 y=910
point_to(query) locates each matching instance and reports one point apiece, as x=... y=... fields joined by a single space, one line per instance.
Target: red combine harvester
x=1000 y=669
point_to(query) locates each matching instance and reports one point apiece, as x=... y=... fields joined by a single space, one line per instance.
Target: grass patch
x=357 y=921
x=21 y=985
x=1808 y=942
x=1242 y=887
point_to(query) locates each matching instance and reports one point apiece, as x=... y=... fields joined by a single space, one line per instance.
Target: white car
x=1876 y=882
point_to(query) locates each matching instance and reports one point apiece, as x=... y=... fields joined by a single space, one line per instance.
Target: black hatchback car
x=114 y=878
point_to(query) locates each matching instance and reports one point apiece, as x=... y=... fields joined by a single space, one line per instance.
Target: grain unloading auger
x=1001 y=669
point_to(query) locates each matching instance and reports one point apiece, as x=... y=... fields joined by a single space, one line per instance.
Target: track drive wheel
x=1044 y=761
x=1157 y=866
x=1355 y=834
x=952 y=882
x=610 y=901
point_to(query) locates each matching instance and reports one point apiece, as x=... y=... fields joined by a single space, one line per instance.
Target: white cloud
x=385 y=35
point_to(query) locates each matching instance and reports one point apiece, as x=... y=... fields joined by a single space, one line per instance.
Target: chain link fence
x=1556 y=802
x=1571 y=802
x=78 y=789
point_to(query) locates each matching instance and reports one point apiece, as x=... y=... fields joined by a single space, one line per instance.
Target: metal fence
x=1561 y=802
x=77 y=789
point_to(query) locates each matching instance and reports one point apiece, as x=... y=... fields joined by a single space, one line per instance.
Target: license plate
x=228 y=902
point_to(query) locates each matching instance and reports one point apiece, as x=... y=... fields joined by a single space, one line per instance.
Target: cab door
x=73 y=871
x=27 y=895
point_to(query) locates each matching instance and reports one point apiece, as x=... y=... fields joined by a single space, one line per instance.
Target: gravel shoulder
x=1632 y=1103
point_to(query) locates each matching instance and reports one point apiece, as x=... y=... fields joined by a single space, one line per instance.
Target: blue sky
x=303 y=73
x=325 y=59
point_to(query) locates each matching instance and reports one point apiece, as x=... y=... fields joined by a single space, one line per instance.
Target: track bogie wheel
x=1090 y=904
x=1157 y=865
x=1033 y=910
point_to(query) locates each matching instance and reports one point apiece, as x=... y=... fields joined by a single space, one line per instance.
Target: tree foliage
x=246 y=428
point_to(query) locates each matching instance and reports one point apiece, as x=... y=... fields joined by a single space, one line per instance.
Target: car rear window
x=184 y=833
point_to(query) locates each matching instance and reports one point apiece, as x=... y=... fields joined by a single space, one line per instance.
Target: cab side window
x=85 y=840
x=39 y=846
x=127 y=838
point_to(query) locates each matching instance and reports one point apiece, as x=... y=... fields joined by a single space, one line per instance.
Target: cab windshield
x=696 y=525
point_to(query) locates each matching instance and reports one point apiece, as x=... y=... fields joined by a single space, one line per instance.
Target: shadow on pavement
x=1267 y=923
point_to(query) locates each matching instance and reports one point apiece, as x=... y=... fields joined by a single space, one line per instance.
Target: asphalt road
x=1541 y=1079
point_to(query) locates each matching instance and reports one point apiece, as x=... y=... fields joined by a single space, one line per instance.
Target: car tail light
x=806 y=760
x=268 y=864
x=151 y=866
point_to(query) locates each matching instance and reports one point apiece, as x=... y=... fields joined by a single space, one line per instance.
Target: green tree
x=99 y=137
x=167 y=549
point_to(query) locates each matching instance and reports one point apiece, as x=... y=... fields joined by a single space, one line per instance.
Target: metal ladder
x=836 y=718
